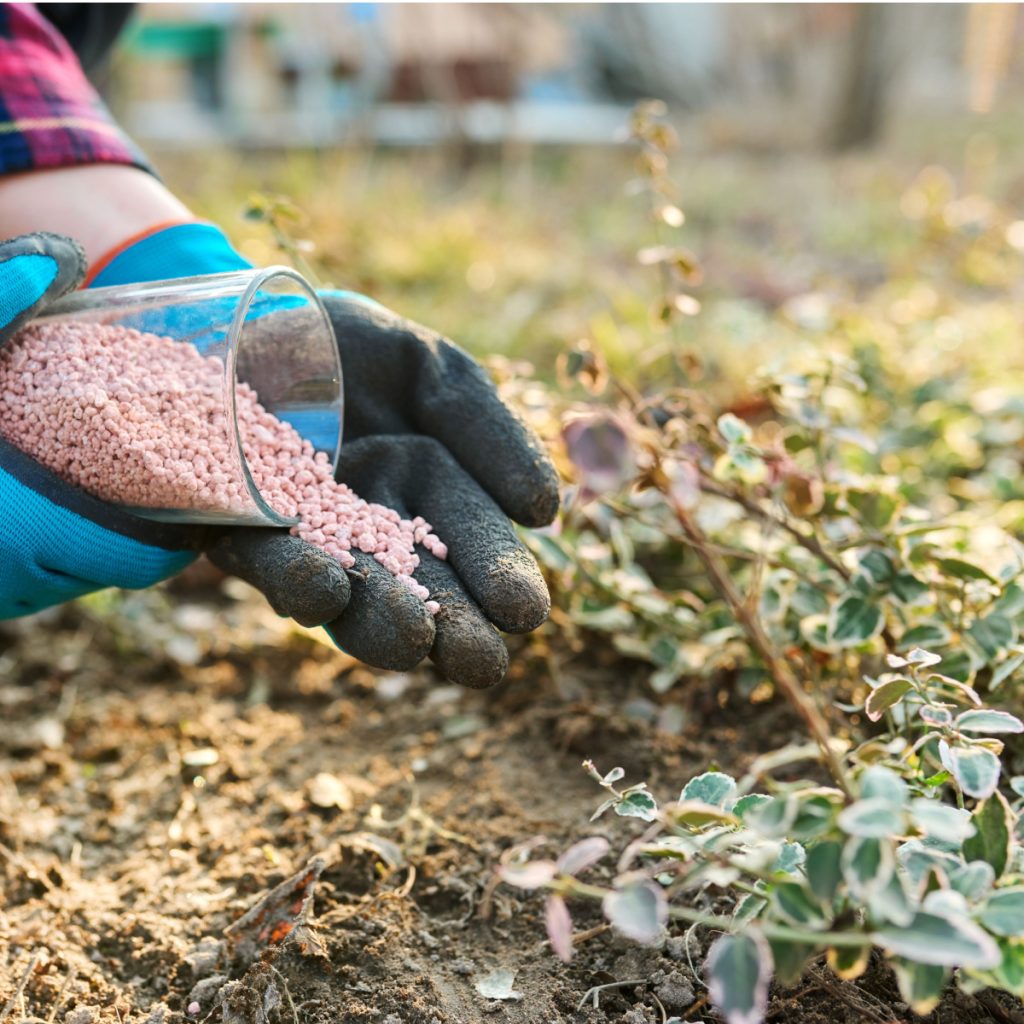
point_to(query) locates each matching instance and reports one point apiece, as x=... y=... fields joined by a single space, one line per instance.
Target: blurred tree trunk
x=860 y=108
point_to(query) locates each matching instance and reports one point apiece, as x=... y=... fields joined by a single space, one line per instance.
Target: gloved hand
x=57 y=542
x=426 y=434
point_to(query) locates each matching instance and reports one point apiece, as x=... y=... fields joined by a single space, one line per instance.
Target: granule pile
x=141 y=421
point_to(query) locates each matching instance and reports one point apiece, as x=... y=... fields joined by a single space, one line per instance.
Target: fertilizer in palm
x=140 y=420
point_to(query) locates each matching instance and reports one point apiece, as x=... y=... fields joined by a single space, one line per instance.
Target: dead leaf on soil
x=389 y=852
x=278 y=916
x=498 y=985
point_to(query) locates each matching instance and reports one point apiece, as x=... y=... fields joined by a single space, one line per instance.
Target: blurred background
x=766 y=76
x=472 y=165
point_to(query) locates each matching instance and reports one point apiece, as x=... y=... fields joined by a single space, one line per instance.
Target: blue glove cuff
x=179 y=251
x=343 y=295
x=23 y=282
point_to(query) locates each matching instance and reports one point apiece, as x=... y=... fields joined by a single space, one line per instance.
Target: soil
x=167 y=759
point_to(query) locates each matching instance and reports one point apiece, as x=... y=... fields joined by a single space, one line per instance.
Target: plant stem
x=849 y=940
x=809 y=542
x=776 y=562
x=785 y=933
x=286 y=244
x=595 y=991
x=778 y=669
x=16 y=994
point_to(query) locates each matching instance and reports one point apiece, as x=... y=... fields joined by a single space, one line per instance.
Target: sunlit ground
x=522 y=254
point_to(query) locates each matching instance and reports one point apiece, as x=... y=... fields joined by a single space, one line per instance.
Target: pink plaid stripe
x=50 y=116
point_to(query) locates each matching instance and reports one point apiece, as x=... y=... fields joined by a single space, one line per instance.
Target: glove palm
x=426 y=434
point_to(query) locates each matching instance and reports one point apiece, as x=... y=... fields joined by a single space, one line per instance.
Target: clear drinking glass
x=269 y=330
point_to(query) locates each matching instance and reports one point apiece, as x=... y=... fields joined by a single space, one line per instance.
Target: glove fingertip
x=385 y=624
x=470 y=657
x=300 y=581
x=467 y=649
x=394 y=651
x=511 y=589
x=540 y=505
x=321 y=604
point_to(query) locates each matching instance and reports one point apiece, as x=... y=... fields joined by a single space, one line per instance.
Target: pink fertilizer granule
x=141 y=421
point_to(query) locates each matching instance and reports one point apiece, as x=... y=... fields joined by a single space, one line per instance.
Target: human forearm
x=101 y=205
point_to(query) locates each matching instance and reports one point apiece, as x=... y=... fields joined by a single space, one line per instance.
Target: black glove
x=426 y=434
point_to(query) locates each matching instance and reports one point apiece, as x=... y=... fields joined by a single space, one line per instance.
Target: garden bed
x=117 y=861
x=169 y=759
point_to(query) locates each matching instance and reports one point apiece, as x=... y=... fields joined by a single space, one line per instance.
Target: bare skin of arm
x=102 y=206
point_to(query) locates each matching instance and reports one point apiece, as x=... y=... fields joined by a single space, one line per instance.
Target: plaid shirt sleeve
x=50 y=116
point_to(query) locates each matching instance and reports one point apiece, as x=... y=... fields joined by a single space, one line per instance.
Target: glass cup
x=270 y=331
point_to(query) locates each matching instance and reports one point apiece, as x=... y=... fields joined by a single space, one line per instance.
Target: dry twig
x=16 y=994
x=782 y=675
x=61 y=995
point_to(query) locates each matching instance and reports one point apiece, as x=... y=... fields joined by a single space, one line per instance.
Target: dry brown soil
x=157 y=763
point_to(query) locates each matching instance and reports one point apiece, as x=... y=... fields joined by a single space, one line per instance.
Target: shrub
x=830 y=535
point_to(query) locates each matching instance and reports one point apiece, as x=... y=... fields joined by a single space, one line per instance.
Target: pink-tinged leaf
x=885 y=696
x=582 y=855
x=559 y=926
x=925 y=659
x=638 y=910
x=531 y=875
x=954 y=684
x=599 y=448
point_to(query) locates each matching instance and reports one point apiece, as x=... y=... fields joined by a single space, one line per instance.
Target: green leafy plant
x=828 y=537
x=896 y=863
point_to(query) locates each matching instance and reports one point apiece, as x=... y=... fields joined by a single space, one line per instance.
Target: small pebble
x=138 y=420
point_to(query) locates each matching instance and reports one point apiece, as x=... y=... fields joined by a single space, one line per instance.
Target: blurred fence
x=763 y=75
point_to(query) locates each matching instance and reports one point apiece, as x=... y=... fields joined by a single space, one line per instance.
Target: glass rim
x=83 y=298
x=257 y=280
